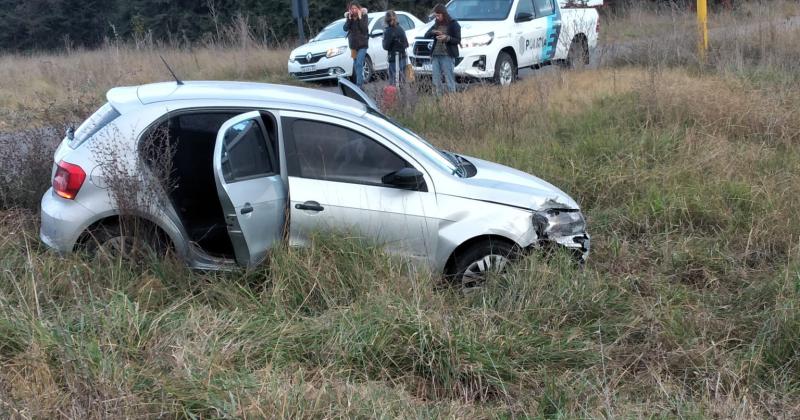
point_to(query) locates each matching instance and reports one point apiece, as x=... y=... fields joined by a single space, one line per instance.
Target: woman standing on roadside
x=356 y=25
x=395 y=42
x=445 y=48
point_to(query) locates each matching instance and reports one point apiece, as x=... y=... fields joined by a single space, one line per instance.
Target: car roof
x=131 y=97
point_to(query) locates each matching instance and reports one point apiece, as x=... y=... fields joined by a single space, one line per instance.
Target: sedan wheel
x=480 y=261
x=479 y=270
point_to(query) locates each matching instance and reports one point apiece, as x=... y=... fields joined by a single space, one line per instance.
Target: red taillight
x=68 y=180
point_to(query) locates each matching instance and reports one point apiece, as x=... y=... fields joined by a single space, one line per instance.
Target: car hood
x=318 y=46
x=500 y=184
x=468 y=28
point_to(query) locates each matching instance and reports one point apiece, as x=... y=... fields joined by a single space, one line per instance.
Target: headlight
x=560 y=222
x=333 y=52
x=291 y=59
x=477 y=41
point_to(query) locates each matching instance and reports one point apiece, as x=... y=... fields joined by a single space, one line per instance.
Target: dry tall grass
x=50 y=88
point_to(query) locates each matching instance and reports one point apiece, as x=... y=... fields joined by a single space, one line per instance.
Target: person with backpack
x=395 y=43
x=447 y=33
x=356 y=25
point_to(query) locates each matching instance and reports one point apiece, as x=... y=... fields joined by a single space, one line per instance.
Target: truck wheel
x=505 y=71
x=472 y=266
x=578 y=55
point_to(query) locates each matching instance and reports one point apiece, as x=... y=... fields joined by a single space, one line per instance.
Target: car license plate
x=306 y=69
x=427 y=67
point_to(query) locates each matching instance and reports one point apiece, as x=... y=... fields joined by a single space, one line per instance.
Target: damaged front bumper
x=565 y=228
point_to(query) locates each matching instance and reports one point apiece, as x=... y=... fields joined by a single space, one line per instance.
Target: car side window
x=405 y=22
x=245 y=152
x=544 y=7
x=334 y=153
x=525 y=6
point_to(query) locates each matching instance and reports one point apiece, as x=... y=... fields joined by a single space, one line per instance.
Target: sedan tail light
x=68 y=180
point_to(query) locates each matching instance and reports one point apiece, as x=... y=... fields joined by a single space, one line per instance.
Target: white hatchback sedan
x=256 y=164
x=327 y=55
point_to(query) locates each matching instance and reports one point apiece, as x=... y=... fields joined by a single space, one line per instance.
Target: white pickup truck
x=500 y=36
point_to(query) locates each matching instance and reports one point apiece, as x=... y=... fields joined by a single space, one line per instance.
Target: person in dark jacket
x=395 y=42
x=447 y=33
x=356 y=25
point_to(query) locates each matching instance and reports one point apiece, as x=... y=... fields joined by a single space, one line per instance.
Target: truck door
x=526 y=33
x=548 y=27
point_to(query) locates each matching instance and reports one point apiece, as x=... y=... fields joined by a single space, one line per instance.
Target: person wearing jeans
x=447 y=33
x=356 y=25
x=395 y=42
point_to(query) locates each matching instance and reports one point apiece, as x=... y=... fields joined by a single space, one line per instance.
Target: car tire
x=578 y=54
x=505 y=71
x=108 y=241
x=369 y=71
x=471 y=266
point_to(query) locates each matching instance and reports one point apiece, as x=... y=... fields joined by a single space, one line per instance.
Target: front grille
x=314 y=58
x=419 y=62
x=311 y=74
x=423 y=48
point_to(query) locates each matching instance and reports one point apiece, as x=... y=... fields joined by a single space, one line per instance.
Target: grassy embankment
x=689 y=306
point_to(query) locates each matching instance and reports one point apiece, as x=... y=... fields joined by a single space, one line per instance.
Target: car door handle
x=248 y=208
x=309 y=205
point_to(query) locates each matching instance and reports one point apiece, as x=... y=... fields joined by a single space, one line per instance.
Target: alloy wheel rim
x=126 y=247
x=478 y=270
x=506 y=73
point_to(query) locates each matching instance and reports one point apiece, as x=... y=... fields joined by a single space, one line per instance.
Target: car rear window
x=101 y=118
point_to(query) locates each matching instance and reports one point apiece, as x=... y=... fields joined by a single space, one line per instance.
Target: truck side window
x=525 y=6
x=544 y=7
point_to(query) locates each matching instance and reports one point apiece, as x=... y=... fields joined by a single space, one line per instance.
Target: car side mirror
x=523 y=17
x=407 y=179
x=376 y=33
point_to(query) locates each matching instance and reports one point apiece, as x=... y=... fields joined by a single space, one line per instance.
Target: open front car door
x=250 y=188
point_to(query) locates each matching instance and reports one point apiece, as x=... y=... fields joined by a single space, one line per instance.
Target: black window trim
x=273 y=160
x=293 y=165
x=536 y=13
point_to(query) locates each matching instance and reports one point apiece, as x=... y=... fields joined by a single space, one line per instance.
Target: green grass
x=687 y=307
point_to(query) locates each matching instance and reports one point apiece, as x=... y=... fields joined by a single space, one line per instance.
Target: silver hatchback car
x=255 y=164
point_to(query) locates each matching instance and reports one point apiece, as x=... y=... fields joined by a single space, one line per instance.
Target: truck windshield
x=479 y=9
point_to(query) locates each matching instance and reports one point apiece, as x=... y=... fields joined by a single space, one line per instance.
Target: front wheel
x=474 y=265
x=505 y=71
x=367 y=72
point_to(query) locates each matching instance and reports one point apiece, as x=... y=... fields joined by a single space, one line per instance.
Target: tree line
x=27 y=25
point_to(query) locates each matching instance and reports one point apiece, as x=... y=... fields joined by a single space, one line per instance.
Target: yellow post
x=702 y=28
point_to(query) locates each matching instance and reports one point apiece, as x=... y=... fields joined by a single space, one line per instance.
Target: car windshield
x=333 y=31
x=479 y=9
x=445 y=160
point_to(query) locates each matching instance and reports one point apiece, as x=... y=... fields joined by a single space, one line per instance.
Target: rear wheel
x=578 y=55
x=505 y=71
x=134 y=244
x=472 y=266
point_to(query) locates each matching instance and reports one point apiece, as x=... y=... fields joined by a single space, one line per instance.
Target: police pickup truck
x=498 y=37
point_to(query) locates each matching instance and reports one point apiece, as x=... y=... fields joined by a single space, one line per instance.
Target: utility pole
x=702 y=29
x=299 y=12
